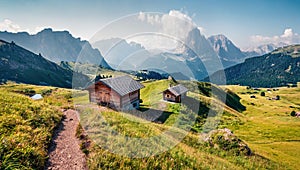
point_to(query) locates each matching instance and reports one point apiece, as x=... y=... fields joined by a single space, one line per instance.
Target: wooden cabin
x=121 y=93
x=175 y=93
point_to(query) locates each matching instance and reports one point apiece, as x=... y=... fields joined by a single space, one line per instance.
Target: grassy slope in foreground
x=189 y=153
x=26 y=125
x=269 y=129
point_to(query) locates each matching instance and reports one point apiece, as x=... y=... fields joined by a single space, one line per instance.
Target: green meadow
x=111 y=134
x=268 y=127
x=26 y=125
x=172 y=140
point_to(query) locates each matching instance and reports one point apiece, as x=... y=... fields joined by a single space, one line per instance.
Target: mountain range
x=56 y=46
x=263 y=49
x=196 y=58
x=229 y=53
x=20 y=65
x=122 y=55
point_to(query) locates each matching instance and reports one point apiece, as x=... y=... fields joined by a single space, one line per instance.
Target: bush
x=46 y=92
x=262 y=94
x=293 y=113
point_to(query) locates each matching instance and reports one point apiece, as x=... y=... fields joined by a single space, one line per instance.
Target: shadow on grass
x=160 y=116
x=196 y=106
x=150 y=114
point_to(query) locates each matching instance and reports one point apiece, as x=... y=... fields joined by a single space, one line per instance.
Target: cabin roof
x=122 y=85
x=177 y=90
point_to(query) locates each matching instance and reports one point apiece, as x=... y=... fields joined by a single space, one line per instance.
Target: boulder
x=225 y=139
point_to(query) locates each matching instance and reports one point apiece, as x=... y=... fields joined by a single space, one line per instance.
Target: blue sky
x=242 y=21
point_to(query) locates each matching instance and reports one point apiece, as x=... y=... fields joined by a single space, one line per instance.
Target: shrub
x=46 y=92
x=262 y=94
x=293 y=113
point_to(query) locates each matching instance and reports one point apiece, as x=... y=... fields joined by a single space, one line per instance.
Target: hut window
x=168 y=96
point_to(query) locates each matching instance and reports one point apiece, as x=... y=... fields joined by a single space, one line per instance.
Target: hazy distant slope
x=262 y=49
x=20 y=65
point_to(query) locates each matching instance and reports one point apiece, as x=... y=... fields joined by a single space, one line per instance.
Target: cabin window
x=168 y=96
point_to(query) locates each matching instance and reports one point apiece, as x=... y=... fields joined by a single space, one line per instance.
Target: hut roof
x=178 y=89
x=122 y=85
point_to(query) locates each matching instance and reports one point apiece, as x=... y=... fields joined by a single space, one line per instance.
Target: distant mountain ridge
x=116 y=50
x=277 y=68
x=133 y=56
x=56 y=46
x=229 y=53
x=195 y=58
x=22 y=66
x=263 y=49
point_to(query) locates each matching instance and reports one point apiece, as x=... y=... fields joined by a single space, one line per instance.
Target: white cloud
x=288 y=37
x=202 y=30
x=176 y=25
x=8 y=25
x=142 y=16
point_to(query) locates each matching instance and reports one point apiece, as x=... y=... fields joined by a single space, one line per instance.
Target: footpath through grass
x=26 y=125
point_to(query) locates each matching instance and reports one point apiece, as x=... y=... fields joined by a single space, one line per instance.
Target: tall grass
x=26 y=125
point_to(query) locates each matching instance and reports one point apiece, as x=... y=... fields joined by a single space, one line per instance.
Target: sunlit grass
x=26 y=125
x=269 y=129
x=108 y=130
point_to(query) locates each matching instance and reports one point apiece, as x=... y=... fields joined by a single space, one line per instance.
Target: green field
x=269 y=129
x=26 y=125
x=111 y=133
x=264 y=125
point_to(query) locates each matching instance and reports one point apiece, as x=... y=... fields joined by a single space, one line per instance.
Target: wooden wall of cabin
x=133 y=97
x=168 y=96
x=103 y=94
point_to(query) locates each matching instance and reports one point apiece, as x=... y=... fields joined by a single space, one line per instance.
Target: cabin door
x=106 y=97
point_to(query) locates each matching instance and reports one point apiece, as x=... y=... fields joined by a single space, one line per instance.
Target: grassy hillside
x=268 y=127
x=26 y=125
x=89 y=69
x=112 y=132
x=20 y=65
